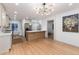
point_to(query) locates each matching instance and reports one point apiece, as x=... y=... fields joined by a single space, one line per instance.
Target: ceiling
x=26 y=10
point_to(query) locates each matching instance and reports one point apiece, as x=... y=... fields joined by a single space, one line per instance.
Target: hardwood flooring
x=42 y=47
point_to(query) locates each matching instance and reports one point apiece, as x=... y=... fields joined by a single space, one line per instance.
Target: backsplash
x=36 y=26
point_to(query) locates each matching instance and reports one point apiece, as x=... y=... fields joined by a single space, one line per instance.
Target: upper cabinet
x=7 y=21
x=4 y=19
x=0 y=16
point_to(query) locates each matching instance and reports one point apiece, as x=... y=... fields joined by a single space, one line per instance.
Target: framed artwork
x=14 y=27
x=71 y=23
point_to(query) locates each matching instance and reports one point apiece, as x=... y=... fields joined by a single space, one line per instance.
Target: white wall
x=67 y=37
x=35 y=24
x=44 y=27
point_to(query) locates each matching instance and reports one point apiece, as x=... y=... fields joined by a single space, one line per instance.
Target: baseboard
x=3 y=52
x=67 y=43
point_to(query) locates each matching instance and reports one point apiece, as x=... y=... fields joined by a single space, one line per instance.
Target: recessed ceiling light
x=15 y=12
x=70 y=4
x=54 y=4
x=17 y=4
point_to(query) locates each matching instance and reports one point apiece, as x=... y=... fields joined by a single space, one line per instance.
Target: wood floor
x=42 y=47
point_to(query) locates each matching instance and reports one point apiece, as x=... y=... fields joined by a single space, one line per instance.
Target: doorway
x=50 y=29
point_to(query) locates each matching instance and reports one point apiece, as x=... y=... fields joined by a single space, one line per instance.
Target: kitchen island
x=36 y=34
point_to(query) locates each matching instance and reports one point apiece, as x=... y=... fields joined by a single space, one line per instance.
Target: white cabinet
x=0 y=16
x=3 y=18
x=5 y=42
x=7 y=21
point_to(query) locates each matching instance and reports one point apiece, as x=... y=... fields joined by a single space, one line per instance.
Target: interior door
x=50 y=28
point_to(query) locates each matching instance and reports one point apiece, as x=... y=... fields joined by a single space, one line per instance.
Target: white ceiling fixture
x=44 y=9
x=17 y=4
x=54 y=4
x=15 y=12
x=70 y=4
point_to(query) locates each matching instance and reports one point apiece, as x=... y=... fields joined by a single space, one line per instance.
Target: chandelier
x=44 y=9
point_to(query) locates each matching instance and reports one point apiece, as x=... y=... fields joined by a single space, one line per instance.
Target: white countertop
x=3 y=34
x=35 y=31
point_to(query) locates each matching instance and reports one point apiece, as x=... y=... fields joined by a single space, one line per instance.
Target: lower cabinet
x=35 y=35
x=5 y=43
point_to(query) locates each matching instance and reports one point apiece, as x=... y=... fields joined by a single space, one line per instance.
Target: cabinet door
x=5 y=42
x=7 y=21
x=0 y=16
x=3 y=17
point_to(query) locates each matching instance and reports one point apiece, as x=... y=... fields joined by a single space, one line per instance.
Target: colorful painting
x=70 y=23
